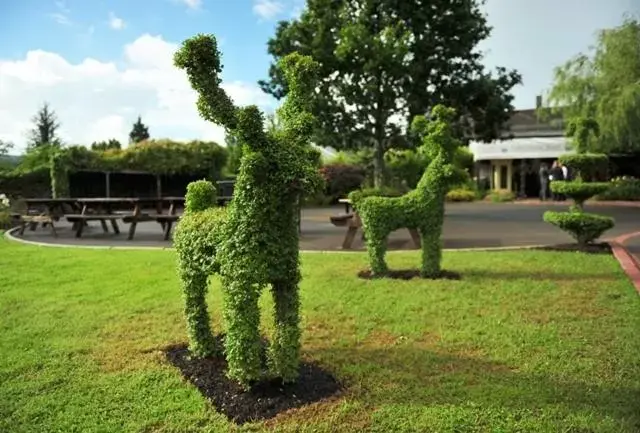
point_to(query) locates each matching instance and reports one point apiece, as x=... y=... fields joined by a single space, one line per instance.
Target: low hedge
x=461 y=195
x=579 y=191
x=621 y=189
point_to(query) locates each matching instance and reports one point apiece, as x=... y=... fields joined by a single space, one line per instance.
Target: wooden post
x=108 y=184
x=159 y=185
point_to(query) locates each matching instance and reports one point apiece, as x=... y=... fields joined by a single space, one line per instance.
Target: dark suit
x=557 y=174
x=544 y=183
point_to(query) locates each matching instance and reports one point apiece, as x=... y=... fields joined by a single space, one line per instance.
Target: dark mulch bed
x=408 y=274
x=264 y=400
x=594 y=248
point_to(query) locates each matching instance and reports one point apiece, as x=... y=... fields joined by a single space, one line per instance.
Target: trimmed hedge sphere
x=422 y=208
x=583 y=227
x=255 y=243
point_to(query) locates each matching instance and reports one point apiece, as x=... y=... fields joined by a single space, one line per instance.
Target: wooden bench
x=341 y=220
x=33 y=220
x=165 y=220
x=80 y=221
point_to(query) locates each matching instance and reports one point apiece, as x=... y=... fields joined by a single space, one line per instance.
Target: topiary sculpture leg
x=431 y=252
x=242 y=343
x=376 y=248
x=194 y=288
x=284 y=353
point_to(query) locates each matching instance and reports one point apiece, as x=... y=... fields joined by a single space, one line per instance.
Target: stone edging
x=627 y=261
x=533 y=202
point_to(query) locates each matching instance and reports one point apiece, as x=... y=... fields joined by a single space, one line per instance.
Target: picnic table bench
x=352 y=221
x=104 y=210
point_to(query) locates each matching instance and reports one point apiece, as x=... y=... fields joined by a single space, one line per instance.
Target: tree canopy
x=44 y=131
x=106 y=145
x=139 y=132
x=604 y=85
x=382 y=62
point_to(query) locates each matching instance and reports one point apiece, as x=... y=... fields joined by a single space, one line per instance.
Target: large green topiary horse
x=421 y=208
x=254 y=244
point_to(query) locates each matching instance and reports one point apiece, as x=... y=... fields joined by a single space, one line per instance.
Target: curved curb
x=627 y=263
x=630 y=204
x=9 y=236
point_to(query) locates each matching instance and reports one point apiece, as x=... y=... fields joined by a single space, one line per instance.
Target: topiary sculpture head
x=201 y=195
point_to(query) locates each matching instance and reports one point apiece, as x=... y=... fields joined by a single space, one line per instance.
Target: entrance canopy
x=521 y=148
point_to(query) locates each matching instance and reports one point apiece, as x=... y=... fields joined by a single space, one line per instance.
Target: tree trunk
x=378 y=164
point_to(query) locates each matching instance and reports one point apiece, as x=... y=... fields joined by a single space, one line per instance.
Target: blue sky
x=130 y=43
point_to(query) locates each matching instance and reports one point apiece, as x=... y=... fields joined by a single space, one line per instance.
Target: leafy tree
x=5 y=147
x=234 y=150
x=139 y=132
x=384 y=62
x=106 y=145
x=604 y=85
x=45 y=128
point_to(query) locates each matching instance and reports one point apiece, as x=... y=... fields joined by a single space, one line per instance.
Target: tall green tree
x=139 y=132
x=234 y=150
x=44 y=131
x=385 y=61
x=106 y=145
x=604 y=85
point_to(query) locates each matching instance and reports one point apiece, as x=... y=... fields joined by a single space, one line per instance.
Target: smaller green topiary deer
x=421 y=208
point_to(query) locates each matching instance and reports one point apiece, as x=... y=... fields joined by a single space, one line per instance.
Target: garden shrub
x=405 y=166
x=583 y=227
x=586 y=167
x=461 y=194
x=501 y=196
x=421 y=208
x=256 y=244
x=5 y=215
x=622 y=189
x=340 y=179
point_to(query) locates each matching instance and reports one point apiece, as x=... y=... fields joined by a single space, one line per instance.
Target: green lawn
x=526 y=342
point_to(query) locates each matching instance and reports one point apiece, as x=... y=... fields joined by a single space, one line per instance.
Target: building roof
x=544 y=147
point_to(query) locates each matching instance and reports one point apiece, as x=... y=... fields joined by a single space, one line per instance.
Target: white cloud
x=267 y=9
x=97 y=100
x=115 y=22
x=192 y=4
x=62 y=14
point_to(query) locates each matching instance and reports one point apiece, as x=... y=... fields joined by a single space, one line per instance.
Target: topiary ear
x=443 y=113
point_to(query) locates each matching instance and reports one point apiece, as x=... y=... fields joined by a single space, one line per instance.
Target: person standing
x=565 y=176
x=544 y=181
x=556 y=174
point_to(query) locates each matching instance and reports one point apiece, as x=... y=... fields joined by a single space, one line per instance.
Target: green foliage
x=380 y=56
x=106 y=145
x=139 y=132
x=59 y=175
x=5 y=147
x=196 y=238
x=501 y=196
x=44 y=132
x=341 y=179
x=386 y=191
x=421 y=208
x=406 y=166
x=201 y=195
x=604 y=86
x=461 y=195
x=584 y=227
x=623 y=189
x=5 y=207
x=579 y=191
x=586 y=166
x=258 y=241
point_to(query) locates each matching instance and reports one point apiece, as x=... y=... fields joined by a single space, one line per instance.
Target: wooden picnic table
x=106 y=212
x=45 y=211
x=353 y=222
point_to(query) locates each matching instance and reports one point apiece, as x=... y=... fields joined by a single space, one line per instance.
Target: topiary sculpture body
x=256 y=245
x=421 y=208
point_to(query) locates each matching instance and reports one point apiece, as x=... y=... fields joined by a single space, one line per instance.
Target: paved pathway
x=467 y=225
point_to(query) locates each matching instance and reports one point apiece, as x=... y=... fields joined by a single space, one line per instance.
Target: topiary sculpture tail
x=258 y=241
x=421 y=208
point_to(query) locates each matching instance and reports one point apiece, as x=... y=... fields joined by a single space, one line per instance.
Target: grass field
x=526 y=342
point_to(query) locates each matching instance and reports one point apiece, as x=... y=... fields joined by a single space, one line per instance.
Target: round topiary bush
x=584 y=227
x=579 y=191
